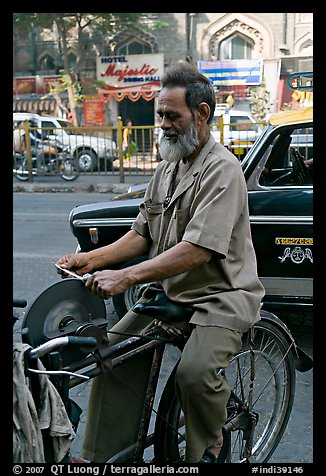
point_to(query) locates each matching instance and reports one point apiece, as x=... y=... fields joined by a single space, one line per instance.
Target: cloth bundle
x=29 y=421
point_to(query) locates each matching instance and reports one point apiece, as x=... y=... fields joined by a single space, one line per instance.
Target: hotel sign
x=129 y=73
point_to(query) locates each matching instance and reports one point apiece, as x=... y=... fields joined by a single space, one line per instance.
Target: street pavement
x=297 y=443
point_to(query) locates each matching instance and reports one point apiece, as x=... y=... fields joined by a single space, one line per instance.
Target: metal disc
x=60 y=310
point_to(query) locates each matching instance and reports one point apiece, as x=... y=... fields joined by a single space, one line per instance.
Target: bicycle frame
x=269 y=355
x=108 y=358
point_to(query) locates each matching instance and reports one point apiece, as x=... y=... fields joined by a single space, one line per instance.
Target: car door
x=281 y=216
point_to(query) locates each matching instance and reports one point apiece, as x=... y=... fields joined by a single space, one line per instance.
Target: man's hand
x=78 y=262
x=109 y=283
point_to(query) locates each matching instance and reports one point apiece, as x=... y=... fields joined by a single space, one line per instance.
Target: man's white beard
x=183 y=147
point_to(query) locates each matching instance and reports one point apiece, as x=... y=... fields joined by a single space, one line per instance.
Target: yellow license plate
x=238 y=151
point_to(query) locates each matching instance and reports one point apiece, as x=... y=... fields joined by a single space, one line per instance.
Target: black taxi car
x=279 y=174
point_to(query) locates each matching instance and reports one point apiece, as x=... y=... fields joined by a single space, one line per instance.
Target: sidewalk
x=70 y=187
x=83 y=184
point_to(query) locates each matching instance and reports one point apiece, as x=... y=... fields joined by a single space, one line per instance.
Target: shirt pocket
x=176 y=228
x=154 y=216
x=181 y=217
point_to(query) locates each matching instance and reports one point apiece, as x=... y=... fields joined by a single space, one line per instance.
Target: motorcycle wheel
x=22 y=170
x=69 y=170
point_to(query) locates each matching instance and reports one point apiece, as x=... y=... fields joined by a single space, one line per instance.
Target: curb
x=71 y=188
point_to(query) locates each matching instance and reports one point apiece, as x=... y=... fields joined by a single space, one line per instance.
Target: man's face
x=180 y=134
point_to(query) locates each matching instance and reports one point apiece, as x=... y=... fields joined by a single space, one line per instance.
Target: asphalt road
x=41 y=234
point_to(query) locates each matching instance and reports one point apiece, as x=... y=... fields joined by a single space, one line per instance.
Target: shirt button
x=149 y=209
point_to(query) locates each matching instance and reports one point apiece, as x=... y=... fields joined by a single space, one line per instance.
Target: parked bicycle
x=67 y=328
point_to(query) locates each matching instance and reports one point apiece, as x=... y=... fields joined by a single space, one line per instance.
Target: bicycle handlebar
x=53 y=344
x=19 y=303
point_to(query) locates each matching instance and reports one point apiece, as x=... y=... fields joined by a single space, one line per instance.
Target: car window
x=47 y=128
x=290 y=159
x=64 y=123
x=243 y=123
x=69 y=129
x=302 y=139
x=51 y=129
x=236 y=122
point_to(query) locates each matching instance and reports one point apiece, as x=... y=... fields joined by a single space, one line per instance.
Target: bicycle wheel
x=22 y=170
x=272 y=400
x=69 y=170
x=272 y=396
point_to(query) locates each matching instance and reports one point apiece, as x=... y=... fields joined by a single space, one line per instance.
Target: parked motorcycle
x=55 y=160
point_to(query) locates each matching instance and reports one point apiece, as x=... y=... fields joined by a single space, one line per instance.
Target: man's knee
x=189 y=375
x=195 y=380
x=202 y=359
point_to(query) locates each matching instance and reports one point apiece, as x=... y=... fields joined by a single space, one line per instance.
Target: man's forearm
x=128 y=246
x=177 y=260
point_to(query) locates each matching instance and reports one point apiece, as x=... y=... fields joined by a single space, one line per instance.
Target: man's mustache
x=170 y=134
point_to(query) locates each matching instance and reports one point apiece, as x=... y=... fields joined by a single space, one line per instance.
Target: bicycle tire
x=69 y=170
x=273 y=396
x=22 y=170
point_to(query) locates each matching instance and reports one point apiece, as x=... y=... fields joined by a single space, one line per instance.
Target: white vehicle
x=240 y=130
x=91 y=151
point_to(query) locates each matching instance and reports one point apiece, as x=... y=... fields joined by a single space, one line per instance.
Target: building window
x=134 y=48
x=47 y=63
x=306 y=48
x=236 y=47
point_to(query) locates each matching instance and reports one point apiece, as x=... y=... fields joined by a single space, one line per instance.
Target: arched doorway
x=141 y=113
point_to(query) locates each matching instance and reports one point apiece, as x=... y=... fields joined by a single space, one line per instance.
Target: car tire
x=123 y=302
x=87 y=160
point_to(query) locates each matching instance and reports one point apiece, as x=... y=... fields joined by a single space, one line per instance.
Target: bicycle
x=261 y=376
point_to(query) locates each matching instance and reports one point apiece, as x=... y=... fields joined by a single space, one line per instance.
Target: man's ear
x=202 y=112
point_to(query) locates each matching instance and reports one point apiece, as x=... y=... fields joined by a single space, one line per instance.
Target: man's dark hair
x=198 y=87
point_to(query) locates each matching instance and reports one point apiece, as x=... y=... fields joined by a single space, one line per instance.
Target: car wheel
x=123 y=302
x=86 y=160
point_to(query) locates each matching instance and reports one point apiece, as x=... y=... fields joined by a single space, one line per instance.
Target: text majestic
x=145 y=70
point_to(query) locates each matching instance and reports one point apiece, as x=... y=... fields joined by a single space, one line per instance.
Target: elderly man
x=194 y=226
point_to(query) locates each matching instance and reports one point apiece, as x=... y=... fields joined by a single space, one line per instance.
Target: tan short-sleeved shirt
x=209 y=208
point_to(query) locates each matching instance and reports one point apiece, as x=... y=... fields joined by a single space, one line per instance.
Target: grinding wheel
x=60 y=310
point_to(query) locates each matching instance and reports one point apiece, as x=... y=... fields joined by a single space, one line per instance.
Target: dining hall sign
x=131 y=76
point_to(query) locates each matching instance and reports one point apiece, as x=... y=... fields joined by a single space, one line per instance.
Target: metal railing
x=99 y=150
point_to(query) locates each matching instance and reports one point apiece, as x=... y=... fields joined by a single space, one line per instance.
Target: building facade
x=282 y=41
